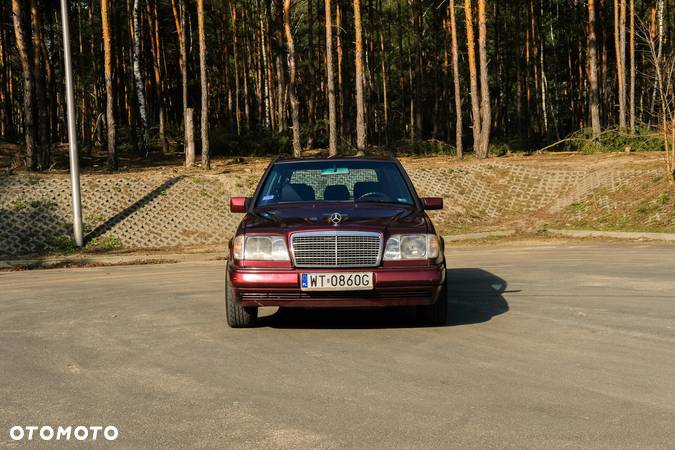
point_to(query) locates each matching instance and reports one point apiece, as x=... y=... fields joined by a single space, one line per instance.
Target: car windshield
x=357 y=181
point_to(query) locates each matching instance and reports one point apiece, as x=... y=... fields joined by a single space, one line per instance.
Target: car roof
x=290 y=159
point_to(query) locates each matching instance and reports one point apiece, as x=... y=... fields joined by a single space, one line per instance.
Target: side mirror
x=431 y=203
x=238 y=204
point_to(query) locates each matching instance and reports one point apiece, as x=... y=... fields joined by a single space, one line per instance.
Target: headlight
x=260 y=248
x=411 y=246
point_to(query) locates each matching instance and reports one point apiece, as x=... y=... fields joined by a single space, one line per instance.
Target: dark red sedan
x=335 y=232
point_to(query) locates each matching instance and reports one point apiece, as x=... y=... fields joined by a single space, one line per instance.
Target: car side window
x=271 y=190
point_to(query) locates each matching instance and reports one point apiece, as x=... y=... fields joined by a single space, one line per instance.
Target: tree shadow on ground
x=32 y=227
x=474 y=296
x=22 y=232
x=29 y=224
x=131 y=209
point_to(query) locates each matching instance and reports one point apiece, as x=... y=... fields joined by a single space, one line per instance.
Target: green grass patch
x=645 y=209
x=19 y=205
x=577 y=207
x=613 y=140
x=105 y=243
x=198 y=180
x=63 y=245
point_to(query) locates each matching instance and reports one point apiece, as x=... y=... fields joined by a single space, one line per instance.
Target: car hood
x=367 y=216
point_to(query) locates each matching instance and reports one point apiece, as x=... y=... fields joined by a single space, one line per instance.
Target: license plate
x=340 y=281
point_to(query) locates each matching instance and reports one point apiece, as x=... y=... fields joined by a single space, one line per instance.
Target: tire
x=237 y=315
x=437 y=313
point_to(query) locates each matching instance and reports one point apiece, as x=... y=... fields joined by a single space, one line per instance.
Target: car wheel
x=237 y=315
x=437 y=313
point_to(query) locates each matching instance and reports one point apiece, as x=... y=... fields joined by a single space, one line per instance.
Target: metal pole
x=72 y=135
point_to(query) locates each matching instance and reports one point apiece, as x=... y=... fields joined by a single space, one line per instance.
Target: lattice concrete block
x=157 y=211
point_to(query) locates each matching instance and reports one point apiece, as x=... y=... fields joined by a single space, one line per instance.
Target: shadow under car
x=474 y=296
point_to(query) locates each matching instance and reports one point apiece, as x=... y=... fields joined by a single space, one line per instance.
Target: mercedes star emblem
x=335 y=218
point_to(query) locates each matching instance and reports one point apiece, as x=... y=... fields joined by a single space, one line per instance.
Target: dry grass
x=646 y=206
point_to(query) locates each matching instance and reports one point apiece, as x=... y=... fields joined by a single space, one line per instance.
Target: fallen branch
x=574 y=137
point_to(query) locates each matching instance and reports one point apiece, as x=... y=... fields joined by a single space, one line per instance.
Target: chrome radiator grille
x=336 y=249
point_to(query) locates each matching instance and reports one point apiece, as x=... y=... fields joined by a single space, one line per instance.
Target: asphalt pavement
x=548 y=346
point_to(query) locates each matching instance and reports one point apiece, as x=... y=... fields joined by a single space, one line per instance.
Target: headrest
x=336 y=192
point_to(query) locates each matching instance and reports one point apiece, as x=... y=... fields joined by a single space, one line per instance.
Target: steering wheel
x=374 y=194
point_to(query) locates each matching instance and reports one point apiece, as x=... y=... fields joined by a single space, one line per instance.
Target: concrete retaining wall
x=161 y=210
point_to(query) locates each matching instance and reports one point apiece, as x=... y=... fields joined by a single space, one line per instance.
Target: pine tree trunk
x=485 y=111
x=311 y=80
x=235 y=54
x=266 y=76
x=527 y=88
x=247 y=65
x=411 y=95
x=41 y=159
x=295 y=113
x=279 y=68
x=182 y=44
x=332 y=124
x=6 y=119
x=419 y=76
x=22 y=45
x=259 y=83
x=179 y=19
x=534 y=68
x=544 y=83
x=338 y=51
x=50 y=79
x=619 y=69
x=281 y=93
x=272 y=97
x=401 y=66
x=622 y=65
x=385 y=100
x=473 y=78
x=3 y=82
x=455 y=76
x=605 y=94
x=94 y=67
x=358 y=50
x=247 y=57
x=632 y=66
x=593 y=70
x=658 y=24
x=157 y=70
x=227 y=91
x=110 y=100
x=206 y=157
x=189 y=138
x=138 y=78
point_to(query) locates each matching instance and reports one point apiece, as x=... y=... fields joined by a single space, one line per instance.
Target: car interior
x=302 y=192
x=336 y=193
x=297 y=192
x=308 y=186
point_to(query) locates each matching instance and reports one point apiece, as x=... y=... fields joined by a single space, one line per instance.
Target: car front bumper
x=392 y=287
